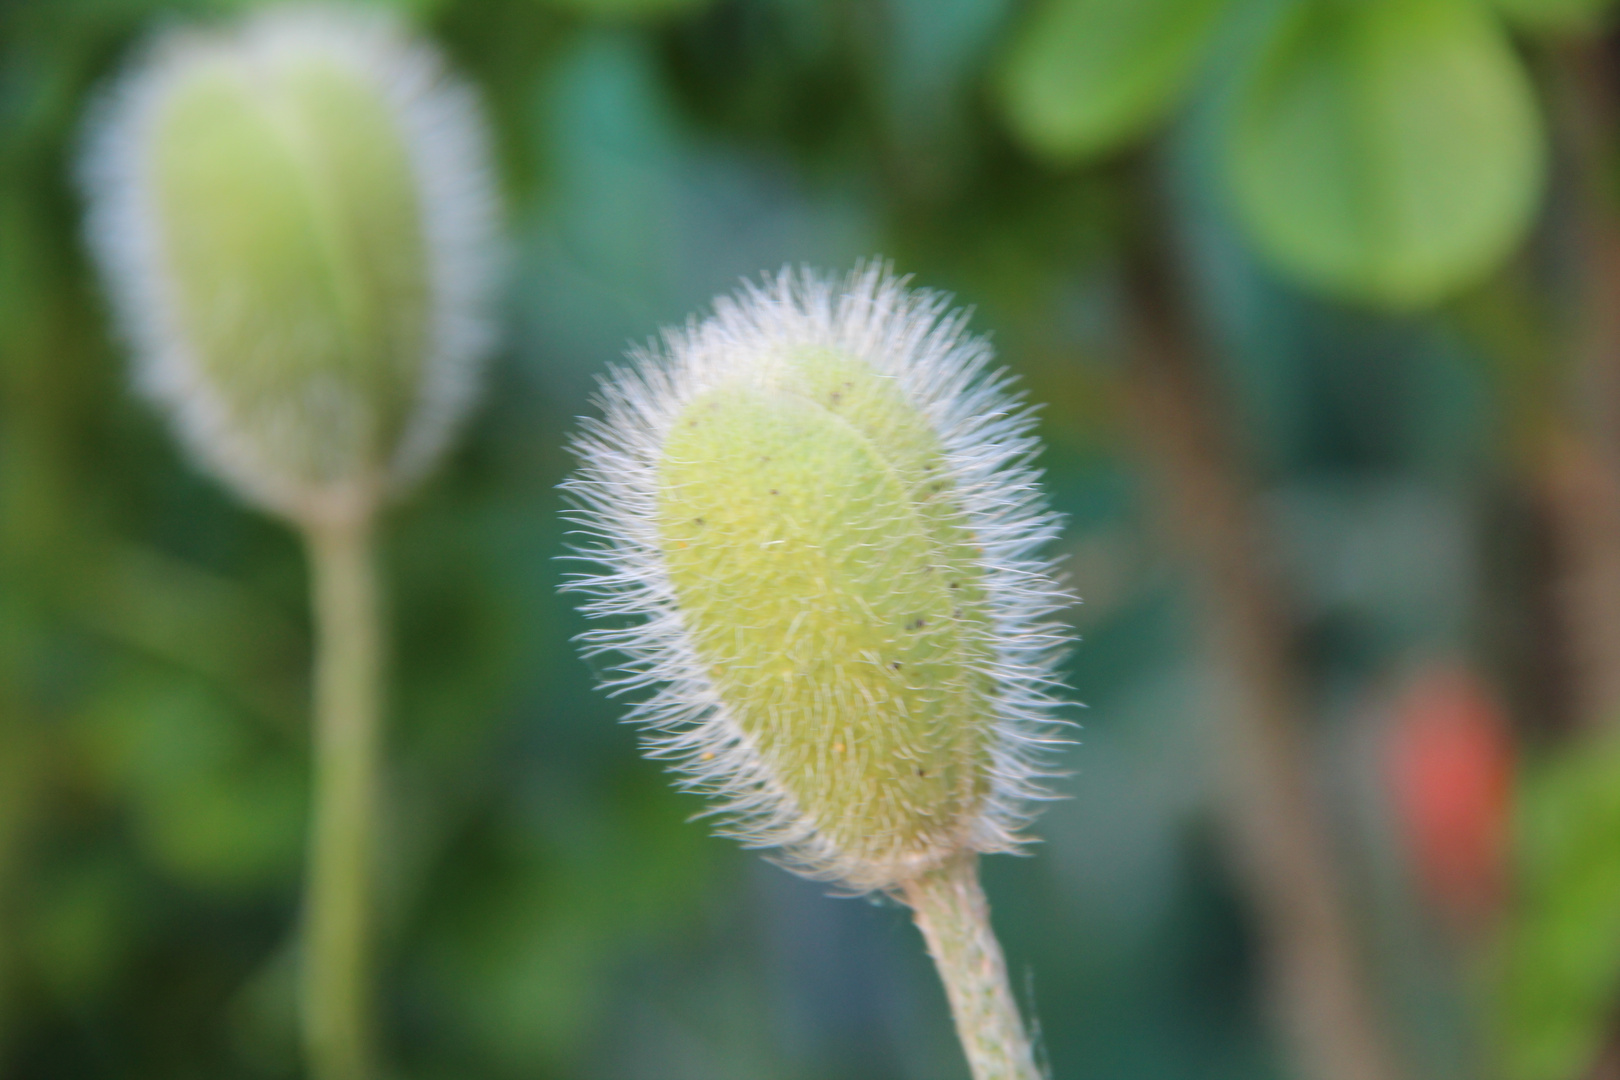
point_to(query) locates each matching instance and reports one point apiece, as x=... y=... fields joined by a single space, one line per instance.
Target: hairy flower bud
x=295 y=219
x=818 y=512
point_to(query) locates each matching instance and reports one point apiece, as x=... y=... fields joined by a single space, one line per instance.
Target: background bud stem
x=337 y=944
x=950 y=910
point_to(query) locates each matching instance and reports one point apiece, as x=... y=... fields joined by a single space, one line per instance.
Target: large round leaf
x=1387 y=151
x=1081 y=77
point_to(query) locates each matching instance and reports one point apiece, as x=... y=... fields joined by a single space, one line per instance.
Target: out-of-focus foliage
x=1389 y=150
x=619 y=8
x=550 y=911
x=1083 y=76
x=1560 y=962
x=1556 y=15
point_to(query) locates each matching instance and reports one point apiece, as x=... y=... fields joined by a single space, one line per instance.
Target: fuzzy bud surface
x=816 y=510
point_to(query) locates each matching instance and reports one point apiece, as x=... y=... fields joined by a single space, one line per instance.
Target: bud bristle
x=819 y=509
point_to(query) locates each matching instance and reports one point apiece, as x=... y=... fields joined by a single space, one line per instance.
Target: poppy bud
x=295 y=219
x=818 y=511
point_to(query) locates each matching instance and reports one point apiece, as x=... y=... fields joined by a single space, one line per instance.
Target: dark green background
x=551 y=911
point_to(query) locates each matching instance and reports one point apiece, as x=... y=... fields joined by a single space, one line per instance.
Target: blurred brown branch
x=1581 y=478
x=1315 y=980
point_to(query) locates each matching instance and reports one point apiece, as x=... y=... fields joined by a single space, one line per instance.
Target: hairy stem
x=337 y=944
x=950 y=910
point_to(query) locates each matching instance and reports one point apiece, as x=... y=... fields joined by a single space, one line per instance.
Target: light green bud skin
x=295 y=246
x=827 y=583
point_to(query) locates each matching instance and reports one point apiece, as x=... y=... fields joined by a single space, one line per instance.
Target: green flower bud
x=295 y=218
x=818 y=513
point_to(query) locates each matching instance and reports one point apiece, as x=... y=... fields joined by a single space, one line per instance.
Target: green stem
x=950 y=910
x=337 y=944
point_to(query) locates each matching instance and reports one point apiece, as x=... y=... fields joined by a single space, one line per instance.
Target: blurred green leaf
x=628 y=8
x=416 y=9
x=213 y=801
x=200 y=621
x=1081 y=77
x=1388 y=151
x=526 y=959
x=82 y=927
x=262 y=1016
x=1559 y=979
x=1556 y=15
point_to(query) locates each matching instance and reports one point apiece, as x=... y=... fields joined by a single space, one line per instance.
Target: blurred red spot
x=1449 y=761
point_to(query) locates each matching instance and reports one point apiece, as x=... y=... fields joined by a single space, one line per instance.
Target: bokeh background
x=1322 y=302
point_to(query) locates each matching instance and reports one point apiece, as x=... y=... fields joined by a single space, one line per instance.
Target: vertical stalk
x=337 y=942
x=1581 y=482
x=950 y=909
x=1315 y=981
x=1581 y=473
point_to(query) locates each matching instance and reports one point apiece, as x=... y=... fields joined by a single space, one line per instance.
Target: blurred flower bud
x=819 y=514
x=1449 y=758
x=295 y=219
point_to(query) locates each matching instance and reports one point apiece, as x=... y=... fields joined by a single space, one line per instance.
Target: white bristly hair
x=445 y=138
x=985 y=430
